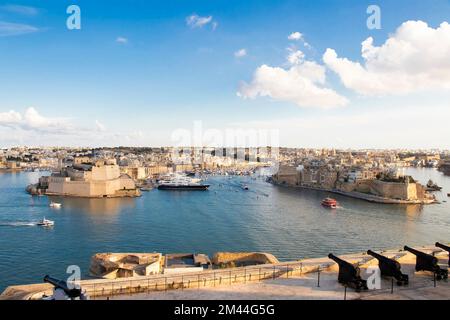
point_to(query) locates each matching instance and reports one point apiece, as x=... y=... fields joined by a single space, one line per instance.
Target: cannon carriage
x=349 y=275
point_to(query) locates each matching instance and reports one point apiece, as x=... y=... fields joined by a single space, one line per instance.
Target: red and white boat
x=330 y=203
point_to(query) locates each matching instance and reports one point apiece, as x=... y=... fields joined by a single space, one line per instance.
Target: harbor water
x=289 y=223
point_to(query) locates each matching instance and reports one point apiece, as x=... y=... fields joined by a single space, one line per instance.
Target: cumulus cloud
x=122 y=40
x=295 y=36
x=196 y=21
x=31 y=120
x=301 y=84
x=15 y=29
x=32 y=128
x=295 y=56
x=414 y=58
x=240 y=53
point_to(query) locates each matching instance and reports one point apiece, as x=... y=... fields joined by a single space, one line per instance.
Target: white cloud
x=24 y=10
x=32 y=128
x=240 y=53
x=414 y=58
x=135 y=135
x=10 y=118
x=302 y=84
x=196 y=21
x=295 y=36
x=295 y=56
x=122 y=40
x=362 y=128
x=31 y=120
x=99 y=126
x=15 y=29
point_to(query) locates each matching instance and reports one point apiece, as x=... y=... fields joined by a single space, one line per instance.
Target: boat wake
x=18 y=224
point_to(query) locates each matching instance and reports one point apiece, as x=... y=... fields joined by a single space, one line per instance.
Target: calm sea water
x=289 y=223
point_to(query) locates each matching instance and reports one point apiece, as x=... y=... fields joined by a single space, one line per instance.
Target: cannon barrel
x=431 y=259
x=61 y=284
x=337 y=259
x=413 y=251
x=427 y=262
x=442 y=246
x=446 y=248
x=376 y=255
x=384 y=260
x=390 y=267
x=349 y=274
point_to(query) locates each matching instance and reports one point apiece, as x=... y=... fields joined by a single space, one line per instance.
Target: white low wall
x=182 y=270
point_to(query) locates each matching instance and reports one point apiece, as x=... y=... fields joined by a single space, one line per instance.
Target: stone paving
x=305 y=287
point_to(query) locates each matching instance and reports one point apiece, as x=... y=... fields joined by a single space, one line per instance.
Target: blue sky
x=137 y=71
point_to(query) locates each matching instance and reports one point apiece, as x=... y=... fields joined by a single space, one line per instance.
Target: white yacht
x=182 y=183
x=46 y=223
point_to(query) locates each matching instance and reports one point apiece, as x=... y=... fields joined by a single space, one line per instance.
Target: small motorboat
x=245 y=187
x=46 y=223
x=330 y=203
x=55 y=205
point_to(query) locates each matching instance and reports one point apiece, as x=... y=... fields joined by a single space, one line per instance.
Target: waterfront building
x=385 y=186
x=2 y=162
x=100 y=178
x=287 y=175
x=136 y=173
x=156 y=170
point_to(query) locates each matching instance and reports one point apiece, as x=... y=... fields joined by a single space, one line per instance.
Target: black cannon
x=390 y=268
x=446 y=248
x=427 y=262
x=349 y=274
x=71 y=293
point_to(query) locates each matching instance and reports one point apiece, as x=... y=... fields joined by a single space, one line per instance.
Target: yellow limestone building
x=95 y=179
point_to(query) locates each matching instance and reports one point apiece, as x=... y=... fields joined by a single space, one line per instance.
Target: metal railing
x=197 y=280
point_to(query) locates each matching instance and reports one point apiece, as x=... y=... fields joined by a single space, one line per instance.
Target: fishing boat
x=330 y=203
x=55 y=205
x=46 y=223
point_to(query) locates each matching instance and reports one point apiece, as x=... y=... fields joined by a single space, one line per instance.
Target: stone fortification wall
x=243 y=258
